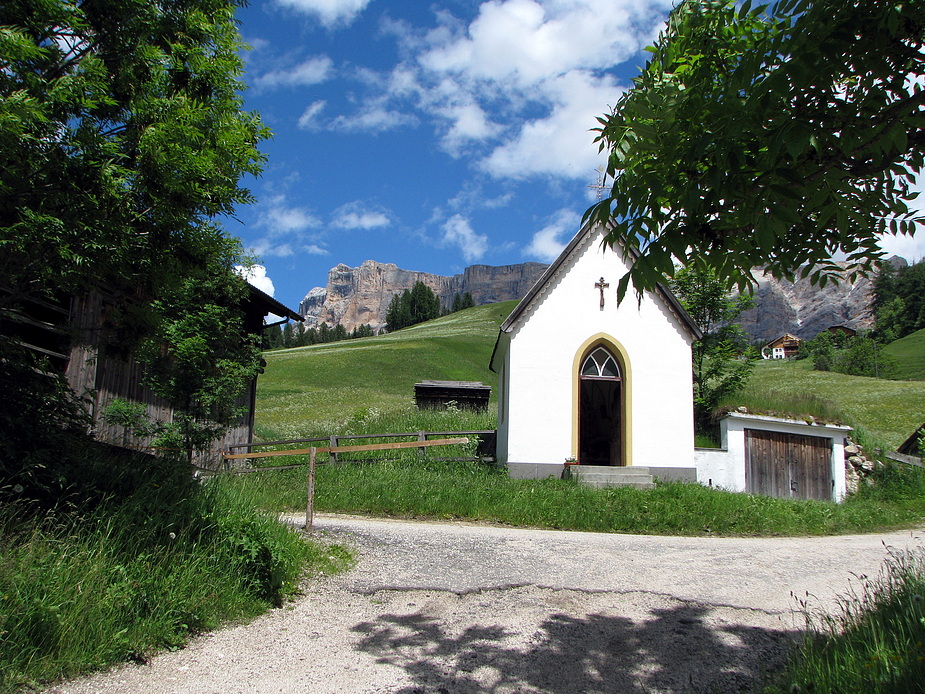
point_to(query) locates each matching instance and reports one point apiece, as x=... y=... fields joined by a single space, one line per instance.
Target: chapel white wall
x=540 y=364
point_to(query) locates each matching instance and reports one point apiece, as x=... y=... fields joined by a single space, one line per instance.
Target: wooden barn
x=67 y=335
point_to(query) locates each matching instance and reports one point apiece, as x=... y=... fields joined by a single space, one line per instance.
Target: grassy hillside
x=313 y=390
x=909 y=353
x=309 y=389
x=888 y=411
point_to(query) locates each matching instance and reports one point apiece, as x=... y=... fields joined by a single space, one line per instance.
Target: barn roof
x=268 y=304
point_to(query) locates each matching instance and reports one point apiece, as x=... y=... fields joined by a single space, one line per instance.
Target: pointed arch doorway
x=600 y=409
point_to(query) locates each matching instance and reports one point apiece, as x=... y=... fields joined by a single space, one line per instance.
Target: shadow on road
x=674 y=651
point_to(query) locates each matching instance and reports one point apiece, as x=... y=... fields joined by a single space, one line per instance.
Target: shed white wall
x=538 y=376
x=726 y=467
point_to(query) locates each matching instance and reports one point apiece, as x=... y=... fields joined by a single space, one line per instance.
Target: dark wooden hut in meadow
x=471 y=395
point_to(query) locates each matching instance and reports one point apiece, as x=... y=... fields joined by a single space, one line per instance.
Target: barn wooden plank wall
x=100 y=379
x=788 y=465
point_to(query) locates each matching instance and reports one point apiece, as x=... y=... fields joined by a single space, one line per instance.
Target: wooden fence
x=334 y=450
x=485 y=451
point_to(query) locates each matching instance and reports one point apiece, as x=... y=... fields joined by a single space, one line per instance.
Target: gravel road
x=472 y=609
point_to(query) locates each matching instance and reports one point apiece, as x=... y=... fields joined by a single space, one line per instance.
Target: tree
x=121 y=139
x=775 y=136
x=412 y=307
x=899 y=301
x=722 y=359
x=200 y=357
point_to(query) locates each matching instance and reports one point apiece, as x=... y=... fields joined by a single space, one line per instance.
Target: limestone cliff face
x=358 y=295
x=804 y=310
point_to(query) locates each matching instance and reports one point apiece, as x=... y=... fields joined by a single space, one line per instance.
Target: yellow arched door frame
x=619 y=352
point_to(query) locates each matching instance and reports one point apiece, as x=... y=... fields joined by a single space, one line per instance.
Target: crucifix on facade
x=602 y=285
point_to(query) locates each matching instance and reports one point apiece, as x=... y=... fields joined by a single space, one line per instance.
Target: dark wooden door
x=788 y=465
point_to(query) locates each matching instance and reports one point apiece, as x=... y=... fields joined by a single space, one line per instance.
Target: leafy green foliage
x=772 y=136
x=899 y=300
x=858 y=355
x=722 y=359
x=200 y=359
x=121 y=134
x=462 y=302
x=411 y=308
x=121 y=138
x=297 y=335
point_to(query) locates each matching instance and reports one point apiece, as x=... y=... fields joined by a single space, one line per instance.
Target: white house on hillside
x=584 y=379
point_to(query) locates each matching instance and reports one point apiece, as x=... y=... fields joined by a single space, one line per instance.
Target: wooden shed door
x=788 y=465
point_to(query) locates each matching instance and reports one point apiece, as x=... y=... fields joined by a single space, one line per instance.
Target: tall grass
x=875 y=640
x=412 y=488
x=83 y=586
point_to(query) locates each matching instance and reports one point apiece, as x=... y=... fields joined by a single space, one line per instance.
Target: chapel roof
x=512 y=320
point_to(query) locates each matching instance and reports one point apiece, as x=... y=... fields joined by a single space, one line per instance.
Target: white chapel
x=583 y=380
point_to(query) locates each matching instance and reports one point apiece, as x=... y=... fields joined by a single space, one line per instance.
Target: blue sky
x=432 y=135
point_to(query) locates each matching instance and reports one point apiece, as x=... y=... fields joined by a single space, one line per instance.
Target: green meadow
x=315 y=390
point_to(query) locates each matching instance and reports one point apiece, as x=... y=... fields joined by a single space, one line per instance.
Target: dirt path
x=470 y=609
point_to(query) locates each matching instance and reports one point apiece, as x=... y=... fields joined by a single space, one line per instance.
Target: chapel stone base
x=603 y=476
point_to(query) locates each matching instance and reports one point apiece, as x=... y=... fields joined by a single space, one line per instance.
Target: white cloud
x=358 y=215
x=315 y=249
x=549 y=241
x=257 y=276
x=312 y=71
x=528 y=75
x=329 y=12
x=525 y=42
x=560 y=144
x=309 y=118
x=280 y=218
x=373 y=117
x=266 y=248
x=458 y=232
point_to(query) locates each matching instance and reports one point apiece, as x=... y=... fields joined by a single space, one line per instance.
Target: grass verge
x=411 y=488
x=874 y=642
x=83 y=587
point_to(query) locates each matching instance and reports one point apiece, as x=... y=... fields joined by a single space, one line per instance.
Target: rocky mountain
x=803 y=310
x=357 y=295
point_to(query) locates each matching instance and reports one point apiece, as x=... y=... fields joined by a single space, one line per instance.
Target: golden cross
x=602 y=285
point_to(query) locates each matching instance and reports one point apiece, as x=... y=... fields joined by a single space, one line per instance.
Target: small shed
x=774 y=456
x=472 y=395
x=784 y=347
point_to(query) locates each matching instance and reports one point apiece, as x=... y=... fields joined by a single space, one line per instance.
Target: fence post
x=332 y=456
x=422 y=451
x=310 y=505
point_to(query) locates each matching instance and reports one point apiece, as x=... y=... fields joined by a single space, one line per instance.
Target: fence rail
x=484 y=452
